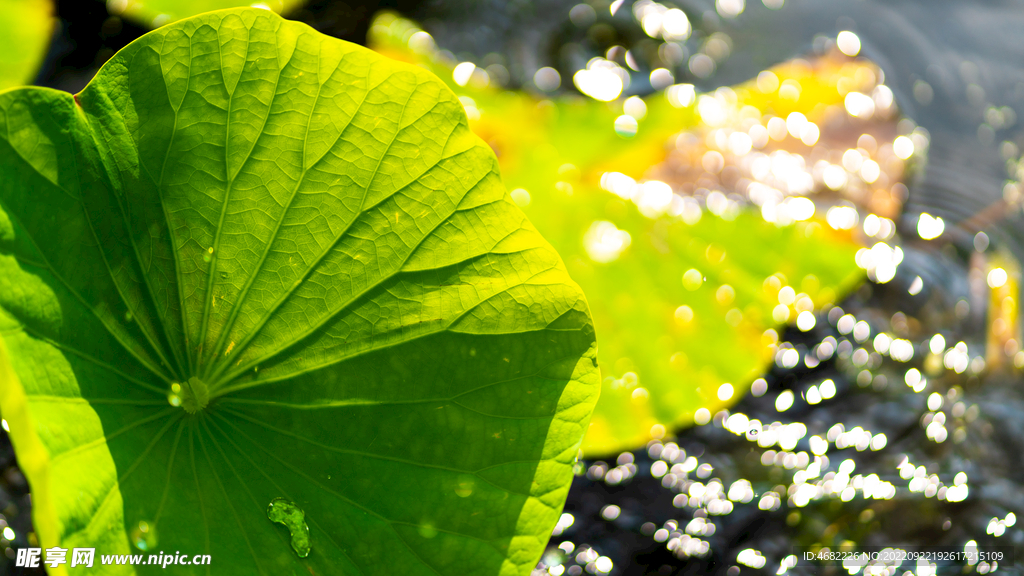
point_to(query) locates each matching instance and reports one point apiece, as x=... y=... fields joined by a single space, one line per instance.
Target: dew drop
x=464 y=486
x=174 y=400
x=128 y=316
x=144 y=536
x=427 y=530
x=287 y=513
x=208 y=255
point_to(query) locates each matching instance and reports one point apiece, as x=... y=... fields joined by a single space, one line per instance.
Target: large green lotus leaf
x=305 y=237
x=25 y=30
x=156 y=13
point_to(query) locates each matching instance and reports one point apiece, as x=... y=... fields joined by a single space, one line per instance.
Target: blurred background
x=798 y=225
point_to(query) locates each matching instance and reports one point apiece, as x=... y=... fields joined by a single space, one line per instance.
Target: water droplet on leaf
x=287 y=513
x=144 y=536
x=464 y=486
x=427 y=530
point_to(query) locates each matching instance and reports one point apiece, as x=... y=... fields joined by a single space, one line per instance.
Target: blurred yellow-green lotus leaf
x=156 y=13
x=25 y=30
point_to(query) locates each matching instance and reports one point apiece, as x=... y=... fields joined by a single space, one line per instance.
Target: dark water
x=970 y=55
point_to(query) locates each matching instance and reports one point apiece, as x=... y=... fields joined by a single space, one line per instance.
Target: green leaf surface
x=25 y=30
x=156 y=13
x=250 y=262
